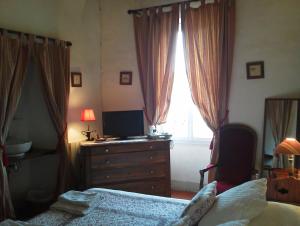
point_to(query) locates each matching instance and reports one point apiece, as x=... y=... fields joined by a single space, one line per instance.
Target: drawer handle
x=151 y=171
x=107 y=162
x=107 y=177
x=106 y=150
x=151 y=157
x=151 y=147
x=152 y=187
x=283 y=191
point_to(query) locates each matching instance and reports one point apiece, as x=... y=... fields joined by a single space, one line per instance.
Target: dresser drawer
x=121 y=148
x=127 y=174
x=151 y=187
x=130 y=159
x=284 y=190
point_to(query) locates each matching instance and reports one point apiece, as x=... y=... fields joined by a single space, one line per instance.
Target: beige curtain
x=208 y=33
x=54 y=61
x=279 y=116
x=14 y=58
x=155 y=37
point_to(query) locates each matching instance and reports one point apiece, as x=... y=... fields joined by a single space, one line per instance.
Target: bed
x=244 y=205
x=124 y=208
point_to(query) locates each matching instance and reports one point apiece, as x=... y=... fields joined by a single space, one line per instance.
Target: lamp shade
x=289 y=146
x=87 y=115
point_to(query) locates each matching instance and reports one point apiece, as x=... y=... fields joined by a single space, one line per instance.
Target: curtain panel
x=155 y=38
x=14 y=58
x=54 y=62
x=279 y=116
x=208 y=33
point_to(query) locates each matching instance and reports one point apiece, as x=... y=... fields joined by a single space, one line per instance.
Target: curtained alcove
x=32 y=122
x=34 y=86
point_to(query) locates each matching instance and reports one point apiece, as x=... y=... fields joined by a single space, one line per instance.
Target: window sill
x=203 y=141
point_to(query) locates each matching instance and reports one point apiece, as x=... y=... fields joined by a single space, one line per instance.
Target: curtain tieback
x=212 y=142
x=211 y=146
x=4 y=155
x=61 y=137
x=224 y=119
x=146 y=114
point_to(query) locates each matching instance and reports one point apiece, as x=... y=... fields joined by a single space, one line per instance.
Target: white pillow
x=245 y=201
x=198 y=206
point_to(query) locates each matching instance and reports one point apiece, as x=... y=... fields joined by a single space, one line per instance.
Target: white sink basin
x=17 y=148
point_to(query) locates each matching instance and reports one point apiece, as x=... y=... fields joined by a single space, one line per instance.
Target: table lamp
x=290 y=147
x=87 y=115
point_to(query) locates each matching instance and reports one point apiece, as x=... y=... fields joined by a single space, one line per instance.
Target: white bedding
x=125 y=208
x=120 y=208
x=278 y=214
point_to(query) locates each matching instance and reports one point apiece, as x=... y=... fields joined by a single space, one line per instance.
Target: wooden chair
x=236 y=157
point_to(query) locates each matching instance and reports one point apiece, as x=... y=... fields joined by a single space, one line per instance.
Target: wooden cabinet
x=141 y=166
x=283 y=188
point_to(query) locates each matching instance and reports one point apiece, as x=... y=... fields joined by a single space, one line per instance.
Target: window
x=184 y=121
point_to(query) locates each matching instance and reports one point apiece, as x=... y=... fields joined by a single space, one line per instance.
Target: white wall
x=266 y=30
x=118 y=54
x=186 y=161
x=79 y=22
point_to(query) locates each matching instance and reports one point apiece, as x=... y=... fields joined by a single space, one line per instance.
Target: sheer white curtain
x=184 y=121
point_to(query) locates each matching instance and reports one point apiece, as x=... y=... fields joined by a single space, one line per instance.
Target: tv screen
x=123 y=124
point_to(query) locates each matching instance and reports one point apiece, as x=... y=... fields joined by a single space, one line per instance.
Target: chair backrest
x=237 y=153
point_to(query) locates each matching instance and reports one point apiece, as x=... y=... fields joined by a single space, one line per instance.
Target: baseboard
x=184 y=186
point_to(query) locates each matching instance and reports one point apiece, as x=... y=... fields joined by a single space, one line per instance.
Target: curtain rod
x=37 y=36
x=133 y=11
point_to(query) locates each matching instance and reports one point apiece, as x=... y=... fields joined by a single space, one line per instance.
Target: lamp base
x=88 y=134
x=291 y=165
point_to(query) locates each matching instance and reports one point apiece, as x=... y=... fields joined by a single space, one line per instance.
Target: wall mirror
x=282 y=120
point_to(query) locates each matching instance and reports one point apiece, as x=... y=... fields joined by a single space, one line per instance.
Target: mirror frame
x=264 y=128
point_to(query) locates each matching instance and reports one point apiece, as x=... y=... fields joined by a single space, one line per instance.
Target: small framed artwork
x=76 y=79
x=255 y=70
x=125 y=78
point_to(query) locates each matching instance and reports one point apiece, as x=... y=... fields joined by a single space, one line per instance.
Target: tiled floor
x=182 y=195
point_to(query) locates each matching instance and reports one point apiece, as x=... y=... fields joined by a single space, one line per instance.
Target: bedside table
x=282 y=187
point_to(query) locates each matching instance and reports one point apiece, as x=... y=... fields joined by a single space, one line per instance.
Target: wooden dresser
x=141 y=166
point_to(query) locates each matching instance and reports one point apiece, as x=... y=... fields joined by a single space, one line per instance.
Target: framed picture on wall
x=76 y=79
x=255 y=70
x=125 y=78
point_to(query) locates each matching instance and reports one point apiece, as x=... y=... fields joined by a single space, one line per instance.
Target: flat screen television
x=123 y=124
